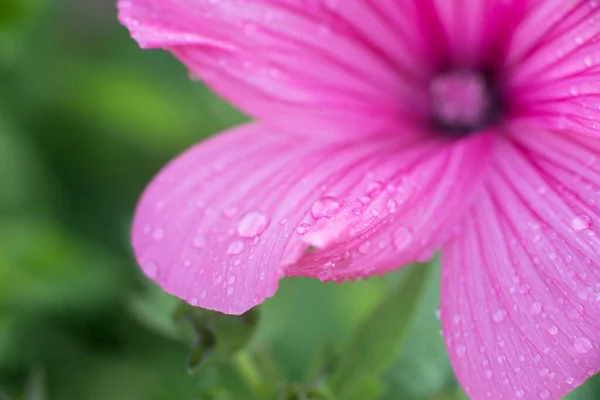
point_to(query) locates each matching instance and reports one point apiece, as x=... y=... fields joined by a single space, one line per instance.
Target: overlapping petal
x=553 y=67
x=226 y=220
x=352 y=64
x=521 y=284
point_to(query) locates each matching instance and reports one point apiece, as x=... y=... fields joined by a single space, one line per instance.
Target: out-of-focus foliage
x=86 y=119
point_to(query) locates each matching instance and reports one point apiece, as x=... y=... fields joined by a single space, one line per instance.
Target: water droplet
x=438 y=314
x=392 y=206
x=229 y=291
x=553 y=330
x=302 y=229
x=519 y=393
x=544 y=372
x=544 y=394
x=536 y=308
x=364 y=247
x=581 y=222
x=235 y=247
x=402 y=238
x=499 y=315
x=583 y=345
x=231 y=280
x=158 y=234
x=194 y=301
x=151 y=269
x=203 y=295
x=326 y=207
x=252 y=225
x=230 y=211
x=461 y=350
x=199 y=241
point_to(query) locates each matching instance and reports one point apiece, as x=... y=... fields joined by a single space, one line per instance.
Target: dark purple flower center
x=463 y=102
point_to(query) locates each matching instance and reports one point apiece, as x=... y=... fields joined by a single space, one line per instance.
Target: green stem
x=250 y=374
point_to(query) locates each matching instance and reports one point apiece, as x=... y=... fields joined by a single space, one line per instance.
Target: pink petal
x=356 y=66
x=221 y=224
x=521 y=285
x=554 y=65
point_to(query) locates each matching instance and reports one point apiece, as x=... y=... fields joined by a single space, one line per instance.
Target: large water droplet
x=536 y=308
x=364 y=247
x=252 y=224
x=158 y=234
x=303 y=229
x=326 y=207
x=402 y=238
x=235 y=247
x=499 y=315
x=581 y=222
x=553 y=330
x=199 y=241
x=583 y=345
x=150 y=268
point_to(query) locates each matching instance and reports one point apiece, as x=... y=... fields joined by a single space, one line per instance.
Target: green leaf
x=374 y=344
x=214 y=336
x=154 y=309
x=24 y=183
x=422 y=368
x=43 y=268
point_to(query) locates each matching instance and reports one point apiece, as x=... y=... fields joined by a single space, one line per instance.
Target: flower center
x=462 y=102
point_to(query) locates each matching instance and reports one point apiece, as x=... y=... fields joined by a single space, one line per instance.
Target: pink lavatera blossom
x=386 y=130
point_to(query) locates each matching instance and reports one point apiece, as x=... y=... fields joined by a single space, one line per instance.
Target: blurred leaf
x=43 y=268
x=11 y=10
x=215 y=335
x=422 y=368
x=375 y=342
x=152 y=113
x=154 y=308
x=24 y=184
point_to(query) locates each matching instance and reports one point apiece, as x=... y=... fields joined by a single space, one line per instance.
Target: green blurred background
x=86 y=119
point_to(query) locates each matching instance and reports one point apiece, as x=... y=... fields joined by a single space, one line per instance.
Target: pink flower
x=385 y=130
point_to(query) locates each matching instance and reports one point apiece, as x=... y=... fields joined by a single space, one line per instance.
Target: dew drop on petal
x=151 y=269
x=235 y=247
x=199 y=241
x=302 y=229
x=536 y=308
x=229 y=291
x=553 y=330
x=194 y=301
x=583 y=345
x=544 y=394
x=581 y=222
x=325 y=207
x=499 y=315
x=231 y=280
x=461 y=350
x=158 y=234
x=402 y=238
x=519 y=393
x=364 y=247
x=252 y=224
